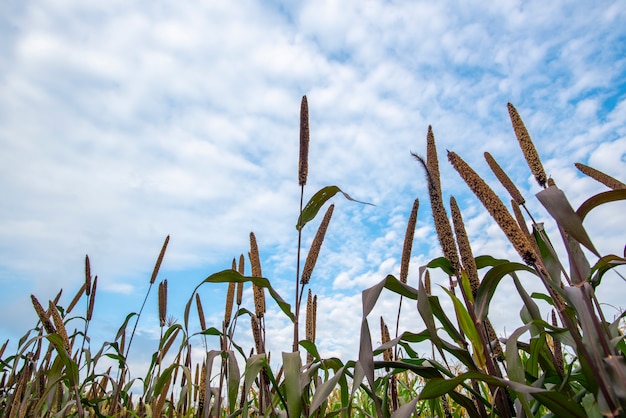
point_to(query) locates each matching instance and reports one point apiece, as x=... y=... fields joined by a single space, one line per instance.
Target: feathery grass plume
x=314 y=251
x=157 y=266
x=87 y=275
x=408 y=243
x=240 y=284
x=465 y=249
x=608 y=181
x=440 y=217
x=385 y=338
x=303 y=166
x=255 y=263
x=558 y=349
x=495 y=207
x=527 y=146
x=77 y=297
x=44 y=316
x=60 y=327
x=504 y=179
x=163 y=302
x=200 y=313
x=228 y=311
x=427 y=282
x=92 y=298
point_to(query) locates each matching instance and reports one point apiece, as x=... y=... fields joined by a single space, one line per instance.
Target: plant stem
x=298 y=292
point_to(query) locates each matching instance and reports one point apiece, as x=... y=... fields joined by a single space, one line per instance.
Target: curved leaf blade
x=316 y=202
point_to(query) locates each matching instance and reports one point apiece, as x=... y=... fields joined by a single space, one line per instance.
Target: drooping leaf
x=556 y=203
x=603 y=265
x=313 y=206
x=599 y=199
x=490 y=282
x=442 y=263
x=232 y=276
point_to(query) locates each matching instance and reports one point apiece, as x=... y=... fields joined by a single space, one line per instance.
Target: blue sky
x=123 y=122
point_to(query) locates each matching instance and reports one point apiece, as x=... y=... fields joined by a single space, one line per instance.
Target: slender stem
x=298 y=292
x=398 y=326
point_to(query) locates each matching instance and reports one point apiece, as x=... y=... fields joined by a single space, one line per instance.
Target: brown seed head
x=259 y=300
x=256 y=333
x=494 y=342
x=432 y=162
x=255 y=261
x=440 y=217
x=87 y=275
x=240 y=284
x=44 y=316
x=163 y=302
x=303 y=166
x=465 y=249
x=385 y=338
x=527 y=146
x=60 y=327
x=314 y=317
x=427 y=282
x=92 y=298
x=495 y=207
x=314 y=251
x=519 y=217
x=200 y=313
x=230 y=296
x=408 y=243
x=310 y=318
x=77 y=297
x=157 y=266
x=610 y=182
x=504 y=179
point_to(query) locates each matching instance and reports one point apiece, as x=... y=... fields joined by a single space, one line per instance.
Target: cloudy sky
x=123 y=122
